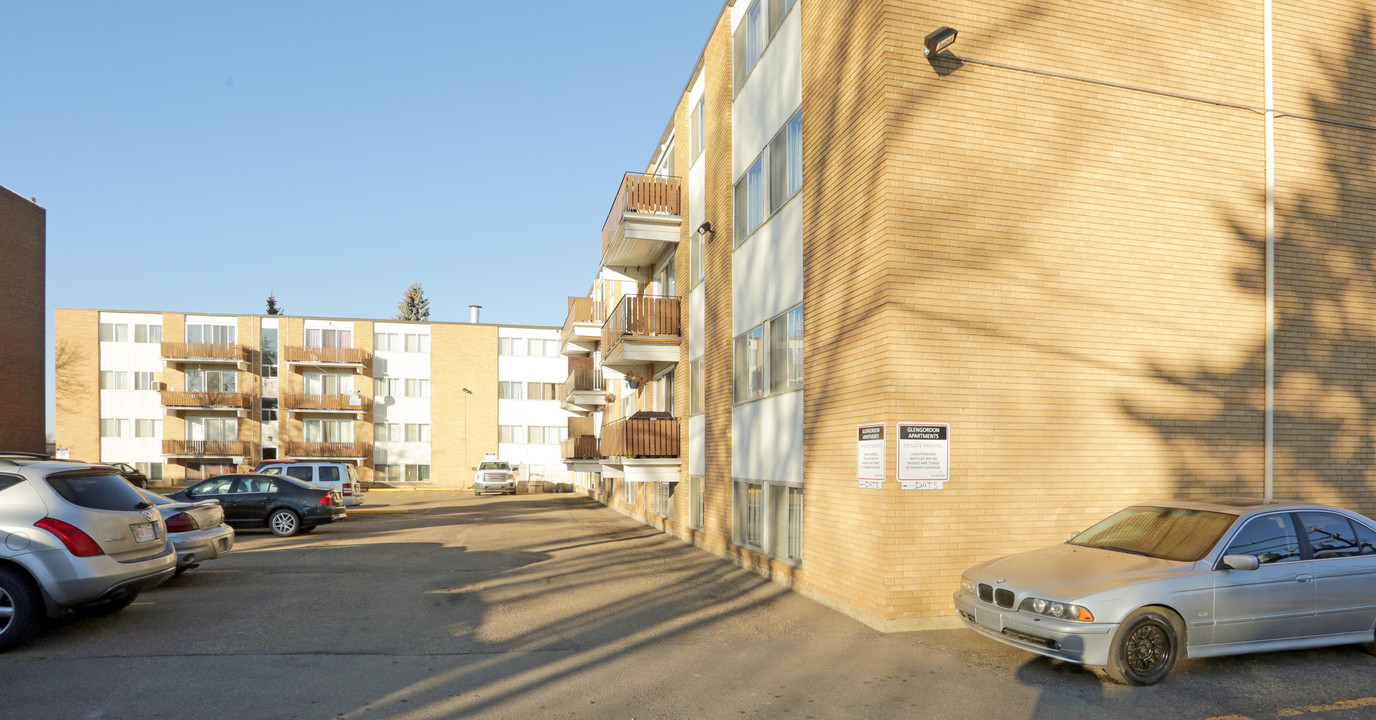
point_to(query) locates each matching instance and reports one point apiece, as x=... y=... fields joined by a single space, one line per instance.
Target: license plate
x=144 y=532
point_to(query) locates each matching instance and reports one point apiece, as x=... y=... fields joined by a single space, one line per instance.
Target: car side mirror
x=1241 y=562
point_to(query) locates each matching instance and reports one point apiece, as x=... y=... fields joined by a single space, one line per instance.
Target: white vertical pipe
x=1270 y=258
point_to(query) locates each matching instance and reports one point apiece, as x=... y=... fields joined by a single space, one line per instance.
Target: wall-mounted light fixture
x=706 y=231
x=938 y=40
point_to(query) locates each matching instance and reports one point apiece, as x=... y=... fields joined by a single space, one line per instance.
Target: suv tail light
x=181 y=522
x=348 y=489
x=78 y=542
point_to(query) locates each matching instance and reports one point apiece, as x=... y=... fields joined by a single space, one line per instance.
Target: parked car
x=77 y=537
x=197 y=529
x=494 y=476
x=284 y=505
x=130 y=473
x=341 y=476
x=1187 y=578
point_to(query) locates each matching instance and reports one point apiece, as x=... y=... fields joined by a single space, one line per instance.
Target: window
x=114 y=332
x=115 y=380
x=147 y=334
x=542 y=391
x=628 y=492
x=417 y=432
x=205 y=334
x=417 y=388
x=213 y=381
x=749 y=371
x=212 y=428
x=417 y=473
x=750 y=517
x=696 y=392
x=664 y=499
x=328 y=384
x=387 y=432
x=664 y=393
x=1271 y=538
x=794 y=546
x=786 y=163
x=511 y=390
x=665 y=280
x=696 y=504
x=697 y=124
x=147 y=428
x=114 y=428
x=389 y=473
x=749 y=200
x=547 y=434
x=1332 y=536
x=268 y=355
x=786 y=351
x=150 y=470
x=417 y=343
x=511 y=434
x=387 y=342
x=329 y=431
x=269 y=410
x=748 y=43
x=385 y=387
x=511 y=346
x=778 y=9
x=329 y=338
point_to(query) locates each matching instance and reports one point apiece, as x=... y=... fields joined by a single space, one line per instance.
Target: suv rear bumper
x=71 y=581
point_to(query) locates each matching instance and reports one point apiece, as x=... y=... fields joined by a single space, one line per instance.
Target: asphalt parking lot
x=439 y=605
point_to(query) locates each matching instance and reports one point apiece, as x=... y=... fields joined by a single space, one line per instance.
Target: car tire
x=105 y=607
x=25 y=614
x=284 y=523
x=1145 y=647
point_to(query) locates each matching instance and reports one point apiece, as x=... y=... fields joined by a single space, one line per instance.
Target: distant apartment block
x=869 y=316
x=186 y=396
x=23 y=248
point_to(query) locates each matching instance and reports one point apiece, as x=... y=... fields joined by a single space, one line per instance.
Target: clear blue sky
x=196 y=156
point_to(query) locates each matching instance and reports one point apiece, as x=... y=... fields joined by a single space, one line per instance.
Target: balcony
x=356 y=358
x=183 y=400
x=641 y=331
x=644 y=446
x=234 y=449
x=585 y=390
x=582 y=451
x=355 y=404
x=181 y=353
x=642 y=226
x=327 y=450
x=583 y=326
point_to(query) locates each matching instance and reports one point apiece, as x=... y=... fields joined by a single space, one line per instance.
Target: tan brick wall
x=77 y=356
x=23 y=245
x=463 y=426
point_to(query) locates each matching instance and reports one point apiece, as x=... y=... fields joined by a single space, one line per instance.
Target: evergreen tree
x=273 y=307
x=414 y=305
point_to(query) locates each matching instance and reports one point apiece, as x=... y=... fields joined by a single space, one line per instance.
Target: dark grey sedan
x=284 y=505
x=1184 y=578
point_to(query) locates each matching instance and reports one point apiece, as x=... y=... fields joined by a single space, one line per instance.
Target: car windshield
x=1160 y=532
x=494 y=466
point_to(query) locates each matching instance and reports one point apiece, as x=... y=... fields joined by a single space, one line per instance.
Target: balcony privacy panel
x=179 y=398
x=641 y=317
x=584 y=380
x=352 y=403
x=208 y=448
x=326 y=449
x=584 y=447
x=205 y=351
x=640 y=193
x=354 y=356
x=641 y=438
x=579 y=426
x=582 y=310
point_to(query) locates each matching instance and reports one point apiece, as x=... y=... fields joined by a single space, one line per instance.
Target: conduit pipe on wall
x=1269 y=104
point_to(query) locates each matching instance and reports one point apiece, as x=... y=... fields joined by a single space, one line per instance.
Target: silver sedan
x=1184 y=578
x=197 y=529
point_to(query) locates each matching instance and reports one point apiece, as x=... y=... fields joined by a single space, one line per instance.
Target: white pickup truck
x=494 y=476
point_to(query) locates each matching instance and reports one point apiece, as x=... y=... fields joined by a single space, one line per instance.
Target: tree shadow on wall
x=1325 y=320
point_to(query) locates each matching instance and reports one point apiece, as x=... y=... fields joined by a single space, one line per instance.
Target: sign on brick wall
x=871 y=451
x=924 y=455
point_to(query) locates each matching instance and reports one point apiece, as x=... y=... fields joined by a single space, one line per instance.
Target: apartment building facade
x=23 y=245
x=186 y=396
x=870 y=315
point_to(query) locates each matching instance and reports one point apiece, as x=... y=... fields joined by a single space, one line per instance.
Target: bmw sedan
x=1161 y=581
x=284 y=505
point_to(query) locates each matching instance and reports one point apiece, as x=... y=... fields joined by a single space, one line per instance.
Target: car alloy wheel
x=284 y=523
x=19 y=612
x=1145 y=648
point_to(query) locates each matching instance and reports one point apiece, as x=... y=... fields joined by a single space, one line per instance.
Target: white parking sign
x=924 y=455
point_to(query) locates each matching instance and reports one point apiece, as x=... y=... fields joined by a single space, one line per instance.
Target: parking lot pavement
x=538 y=606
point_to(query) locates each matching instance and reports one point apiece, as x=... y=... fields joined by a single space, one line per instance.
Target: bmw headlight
x=967 y=585
x=1058 y=610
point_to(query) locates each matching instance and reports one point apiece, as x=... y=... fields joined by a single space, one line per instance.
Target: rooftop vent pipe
x=473 y=313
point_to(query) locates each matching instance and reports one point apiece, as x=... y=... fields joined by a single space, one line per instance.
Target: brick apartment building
x=23 y=247
x=185 y=396
x=885 y=315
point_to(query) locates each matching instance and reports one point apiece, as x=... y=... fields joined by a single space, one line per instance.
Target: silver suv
x=73 y=537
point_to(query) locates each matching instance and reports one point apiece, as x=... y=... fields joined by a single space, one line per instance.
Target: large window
x=387 y=432
x=114 y=332
x=147 y=428
x=696 y=390
x=212 y=381
x=329 y=431
x=417 y=473
x=511 y=434
x=212 y=428
x=329 y=338
x=115 y=380
x=749 y=380
x=782 y=345
x=768 y=518
x=664 y=499
x=417 y=432
x=328 y=383
x=748 y=43
x=749 y=200
x=542 y=391
x=511 y=346
x=537 y=347
x=417 y=343
x=385 y=387
x=511 y=390
x=147 y=334
x=786 y=163
x=269 y=409
x=697 y=505
x=205 y=334
x=112 y=428
x=547 y=434
x=269 y=352
x=417 y=388
x=697 y=126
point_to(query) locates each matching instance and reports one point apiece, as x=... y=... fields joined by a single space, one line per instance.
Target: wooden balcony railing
x=583 y=447
x=348 y=403
x=641 y=438
x=582 y=310
x=350 y=356
x=203 y=352
x=208 y=448
x=326 y=449
x=179 y=398
x=582 y=362
x=582 y=380
x=641 y=193
x=582 y=426
x=641 y=317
